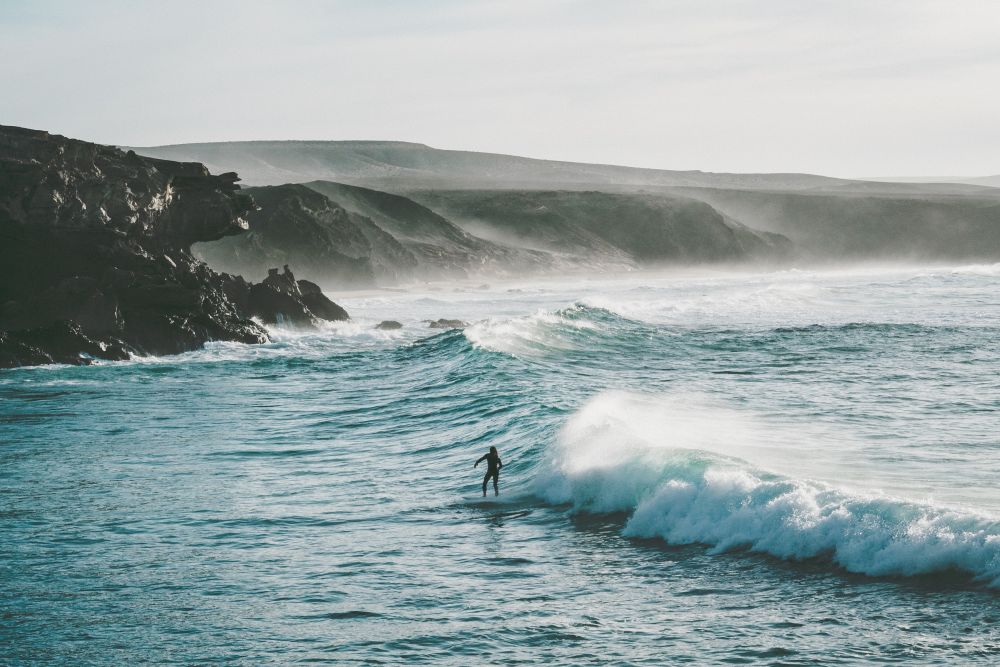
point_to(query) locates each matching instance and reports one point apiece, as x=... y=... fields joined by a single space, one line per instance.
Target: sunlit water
x=787 y=468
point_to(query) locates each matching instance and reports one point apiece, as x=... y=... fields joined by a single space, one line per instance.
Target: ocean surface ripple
x=779 y=468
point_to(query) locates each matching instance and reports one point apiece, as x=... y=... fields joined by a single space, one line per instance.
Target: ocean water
x=714 y=468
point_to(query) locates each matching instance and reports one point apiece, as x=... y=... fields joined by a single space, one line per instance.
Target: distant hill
x=649 y=229
x=398 y=166
x=845 y=226
x=394 y=165
x=511 y=207
x=988 y=181
x=704 y=224
x=974 y=181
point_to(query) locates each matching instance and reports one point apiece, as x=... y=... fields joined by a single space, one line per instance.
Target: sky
x=842 y=88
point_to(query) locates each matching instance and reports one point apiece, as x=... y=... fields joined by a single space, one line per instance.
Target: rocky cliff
x=351 y=236
x=95 y=255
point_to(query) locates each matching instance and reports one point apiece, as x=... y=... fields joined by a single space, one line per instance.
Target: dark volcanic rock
x=95 y=253
x=319 y=304
x=281 y=299
x=388 y=325
x=278 y=300
x=447 y=324
x=59 y=343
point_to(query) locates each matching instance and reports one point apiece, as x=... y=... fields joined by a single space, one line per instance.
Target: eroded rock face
x=95 y=253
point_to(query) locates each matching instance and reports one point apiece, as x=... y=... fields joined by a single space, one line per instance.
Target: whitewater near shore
x=793 y=466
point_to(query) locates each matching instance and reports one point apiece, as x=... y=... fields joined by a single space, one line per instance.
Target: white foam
x=681 y=468
x=874 y=535
x=719 y=302
x=287 y=341
x=978 y=270
x=538 y=333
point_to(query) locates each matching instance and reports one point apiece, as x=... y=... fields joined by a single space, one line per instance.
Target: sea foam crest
x=532 y=334
x=790 y=297
x=677 y=474
x=978 y=270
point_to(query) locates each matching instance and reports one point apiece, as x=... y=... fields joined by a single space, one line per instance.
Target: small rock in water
x=387 y=325
x=448 y=324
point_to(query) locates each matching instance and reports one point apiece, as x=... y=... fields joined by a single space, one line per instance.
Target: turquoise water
x=786 y=468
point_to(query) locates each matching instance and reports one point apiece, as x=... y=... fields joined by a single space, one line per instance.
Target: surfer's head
x=493 y=450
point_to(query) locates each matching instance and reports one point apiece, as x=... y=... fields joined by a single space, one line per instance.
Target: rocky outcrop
x=316 y=301
x=389 y=325
x=95 y=255
x=281 y=299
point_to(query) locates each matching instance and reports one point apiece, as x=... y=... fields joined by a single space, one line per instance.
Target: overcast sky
x=845 y=88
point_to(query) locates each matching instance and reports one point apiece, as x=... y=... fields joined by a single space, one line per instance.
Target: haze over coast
x=277 y=278
x=583 y=215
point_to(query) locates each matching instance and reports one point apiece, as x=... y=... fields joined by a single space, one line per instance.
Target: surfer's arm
x=476 y=464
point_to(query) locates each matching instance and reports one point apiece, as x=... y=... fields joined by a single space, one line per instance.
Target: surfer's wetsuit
x=493 y=465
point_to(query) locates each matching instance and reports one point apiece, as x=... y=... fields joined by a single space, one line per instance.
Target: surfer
x=493 y=465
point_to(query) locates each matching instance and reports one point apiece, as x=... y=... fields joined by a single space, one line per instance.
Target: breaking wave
x=575 y=327
x=682 y=469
